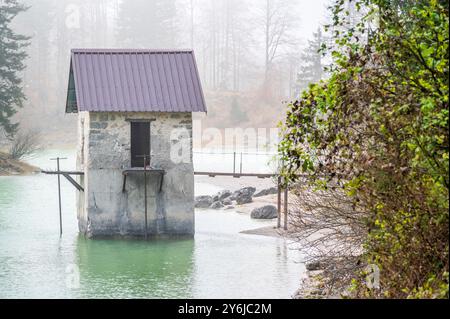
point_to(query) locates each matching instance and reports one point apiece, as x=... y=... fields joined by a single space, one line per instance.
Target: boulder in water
x=203 y=201
x=244 y=195
x=216 y=205
x=265 y=212
x=267 y=191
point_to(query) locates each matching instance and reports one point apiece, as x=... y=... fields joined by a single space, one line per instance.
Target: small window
x=71 y=103
x=140 y=143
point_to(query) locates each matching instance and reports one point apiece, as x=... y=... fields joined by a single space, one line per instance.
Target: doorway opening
x=140 y=143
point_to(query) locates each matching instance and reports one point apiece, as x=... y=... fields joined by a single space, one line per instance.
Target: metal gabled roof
x=135 y=80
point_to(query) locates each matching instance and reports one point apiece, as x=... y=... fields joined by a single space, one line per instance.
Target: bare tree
x=24 y=144
x=330 y=229
x=225 y=42
x=192 y=23
x=276 y=19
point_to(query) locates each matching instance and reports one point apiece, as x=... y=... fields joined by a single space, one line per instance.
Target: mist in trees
x=147 y=24
x=277 y=20
x=248 y=50
x=312 y=64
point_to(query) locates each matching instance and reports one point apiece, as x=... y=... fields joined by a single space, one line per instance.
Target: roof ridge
x=132 y=80
x=113 y=50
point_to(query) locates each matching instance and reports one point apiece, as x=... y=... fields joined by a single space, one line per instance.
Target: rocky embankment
x=9 y=166
x=262 y=205
x=312 y=286
x=239 y=200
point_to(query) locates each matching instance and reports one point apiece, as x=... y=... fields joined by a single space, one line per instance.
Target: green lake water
x=35 y=262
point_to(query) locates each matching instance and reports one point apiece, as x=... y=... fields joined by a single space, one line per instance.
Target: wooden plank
x=161 y=182
x=73 y=182
x=140 y=120
x=124 y=182
x=213 y=174
x=62 y=172
x=140 y=170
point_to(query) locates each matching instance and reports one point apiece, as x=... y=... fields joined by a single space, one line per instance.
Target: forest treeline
x=250 y=53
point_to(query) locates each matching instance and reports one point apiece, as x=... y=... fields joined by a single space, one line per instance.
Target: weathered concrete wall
x=107 y=211
x=82 y=158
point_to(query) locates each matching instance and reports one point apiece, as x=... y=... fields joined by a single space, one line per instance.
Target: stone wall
x=103 y=153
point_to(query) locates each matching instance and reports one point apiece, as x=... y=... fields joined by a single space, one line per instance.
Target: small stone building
x=131 y=105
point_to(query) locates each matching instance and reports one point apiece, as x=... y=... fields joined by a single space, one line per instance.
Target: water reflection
x=135 y=268
x=220 y=262
x=229 y=263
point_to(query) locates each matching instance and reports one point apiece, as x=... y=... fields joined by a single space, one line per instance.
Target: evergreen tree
x=12 y=57
x=311 y=68
x=237 y=114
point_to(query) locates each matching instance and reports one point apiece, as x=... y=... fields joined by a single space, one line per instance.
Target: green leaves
x=379 y=126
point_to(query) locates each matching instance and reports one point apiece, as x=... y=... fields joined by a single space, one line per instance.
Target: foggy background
x=252 y=54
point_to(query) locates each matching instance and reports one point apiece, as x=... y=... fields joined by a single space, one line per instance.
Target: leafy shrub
x=378 y=129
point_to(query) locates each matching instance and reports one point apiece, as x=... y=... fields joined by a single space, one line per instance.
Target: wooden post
x=145 y=193
x=59 y=191
x=59 y=197
x=285 y=207
x=234 y=162
x=279 y=202
x=240 y=168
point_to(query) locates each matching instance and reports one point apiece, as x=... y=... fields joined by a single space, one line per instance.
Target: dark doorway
x=140 y=143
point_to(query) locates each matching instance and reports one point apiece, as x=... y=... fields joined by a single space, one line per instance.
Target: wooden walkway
x=67 y=174
x=280 y=203
x=210 y=174
x=236 y=175
x=62 y=172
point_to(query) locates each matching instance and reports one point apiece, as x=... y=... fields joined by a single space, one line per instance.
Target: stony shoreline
x=13 y=167
x=259 y=204
x=311 y=285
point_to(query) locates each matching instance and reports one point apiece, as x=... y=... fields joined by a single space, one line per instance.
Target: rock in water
x=224 y=194
x=221 y=195
x=203 y=201
x=249 y=190
x=227 y=201
x=216 y=205
x=267 y=191
x=244 y=195
x=265 y=212
x=243 y=199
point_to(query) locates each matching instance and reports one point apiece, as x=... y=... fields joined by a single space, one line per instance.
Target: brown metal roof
x=134 y=81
